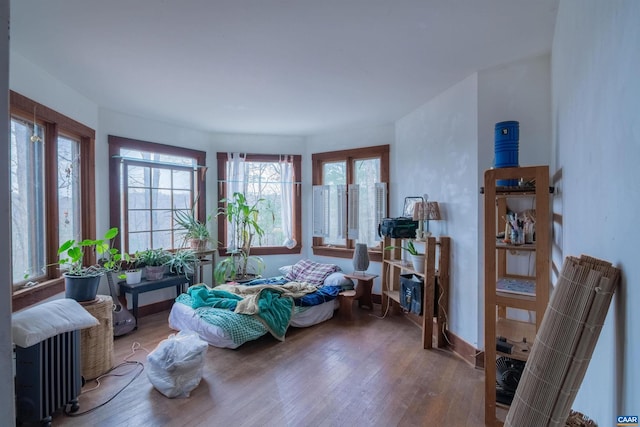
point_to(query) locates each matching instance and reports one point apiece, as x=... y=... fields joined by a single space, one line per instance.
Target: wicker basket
x=97 y=341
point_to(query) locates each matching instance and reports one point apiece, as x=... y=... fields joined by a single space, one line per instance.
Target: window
x=275 y=180
x=51 y=163
x=349 y=199
x=149 y=182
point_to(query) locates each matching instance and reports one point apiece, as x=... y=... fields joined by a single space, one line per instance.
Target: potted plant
x=132 y=273
x=195 y=231
x=183 y=261
x=154 y=261
x=81 y=281
x=417 y=259
x=243 y=220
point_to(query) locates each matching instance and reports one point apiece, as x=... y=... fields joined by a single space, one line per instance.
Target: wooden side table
x=205 y=257
x=362 y=294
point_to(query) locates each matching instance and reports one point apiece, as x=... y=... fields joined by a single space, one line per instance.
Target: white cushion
x=338 y=279
x=35 y=324
x=285 y=269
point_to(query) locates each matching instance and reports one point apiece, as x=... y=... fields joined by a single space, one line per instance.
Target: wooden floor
x=367 y=372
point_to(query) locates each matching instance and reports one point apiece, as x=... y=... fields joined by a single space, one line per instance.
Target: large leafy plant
x=243 y=220
x=72 y=255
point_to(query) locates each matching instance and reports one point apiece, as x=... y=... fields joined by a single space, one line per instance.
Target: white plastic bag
x=175 y=366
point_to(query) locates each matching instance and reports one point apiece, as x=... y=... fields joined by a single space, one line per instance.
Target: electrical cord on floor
x=135 y=346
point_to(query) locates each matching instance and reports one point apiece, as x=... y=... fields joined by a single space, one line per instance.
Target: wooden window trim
x=56 y=123
x=348 y=156
x=115 y=199
x=297 y=204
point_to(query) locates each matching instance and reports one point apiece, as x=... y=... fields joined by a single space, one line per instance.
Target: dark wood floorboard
x=367 y=372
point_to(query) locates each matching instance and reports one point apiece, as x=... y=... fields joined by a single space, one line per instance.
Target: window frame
x=56 y=124
x=296 y=217
x=349 y=157
x=115 y=197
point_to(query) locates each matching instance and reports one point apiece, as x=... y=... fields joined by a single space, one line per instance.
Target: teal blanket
x=202 y=296
x=268 y=306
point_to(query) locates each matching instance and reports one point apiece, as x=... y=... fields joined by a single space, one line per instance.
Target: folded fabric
x=271 y=307
x=201 y=296
x=291 y=289
x=322 y=295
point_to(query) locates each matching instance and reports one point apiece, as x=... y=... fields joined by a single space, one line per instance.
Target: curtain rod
x=153 y=162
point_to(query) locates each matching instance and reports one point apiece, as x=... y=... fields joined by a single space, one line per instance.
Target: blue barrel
x=507 y=135
x=507 y=131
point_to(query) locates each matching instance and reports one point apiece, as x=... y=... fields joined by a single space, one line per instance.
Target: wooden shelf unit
x=393 y=266
x=518 y=333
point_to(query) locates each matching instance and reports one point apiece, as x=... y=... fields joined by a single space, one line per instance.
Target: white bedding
x=183 y=317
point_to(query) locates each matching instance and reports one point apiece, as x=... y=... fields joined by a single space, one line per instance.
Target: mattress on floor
x=225 y=333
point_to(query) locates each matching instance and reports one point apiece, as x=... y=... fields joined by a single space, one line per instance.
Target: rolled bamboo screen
x=564 y=343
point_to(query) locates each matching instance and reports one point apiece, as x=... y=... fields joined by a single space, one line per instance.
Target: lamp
x=361 y=258
x=432 y=212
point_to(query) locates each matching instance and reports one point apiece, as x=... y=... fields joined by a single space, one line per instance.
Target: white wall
x=596 y=129
x=521 y=91
x=7 y=407
x=435 y=153
x=354 y=138
x=30 y=80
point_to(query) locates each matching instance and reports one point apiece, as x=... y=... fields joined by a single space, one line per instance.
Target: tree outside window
x=273 y=180
x=349 y=200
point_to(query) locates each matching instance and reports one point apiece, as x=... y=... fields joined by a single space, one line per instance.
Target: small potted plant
x=81 y=281
x=154 y=261
x=183 y=261
x=417 y=259
x=132 y=273
x=243 y=220
x=195 y=232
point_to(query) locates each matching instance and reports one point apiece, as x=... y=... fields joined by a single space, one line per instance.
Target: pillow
x=35 y=324
x=285 y=269
x=311 y=272
x=338 y=279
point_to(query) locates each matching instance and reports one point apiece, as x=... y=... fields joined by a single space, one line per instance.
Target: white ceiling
x=291 y=67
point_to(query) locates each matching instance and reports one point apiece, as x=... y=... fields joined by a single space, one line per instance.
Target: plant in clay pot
x=154 y=261
x=195 y=232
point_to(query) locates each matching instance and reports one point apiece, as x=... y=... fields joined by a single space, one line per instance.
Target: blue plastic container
x=506 y=158
x=507 y=131
x=507 y=135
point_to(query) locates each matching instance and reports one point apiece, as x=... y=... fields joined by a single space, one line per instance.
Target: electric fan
x=508 y=373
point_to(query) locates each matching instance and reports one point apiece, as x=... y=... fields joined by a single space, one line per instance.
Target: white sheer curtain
x=286 y=198
x=236 y=183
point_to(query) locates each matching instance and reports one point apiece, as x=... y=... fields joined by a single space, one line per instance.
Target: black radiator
x=48 y=377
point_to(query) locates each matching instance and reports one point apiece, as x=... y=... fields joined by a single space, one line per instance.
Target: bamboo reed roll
x=564 y=343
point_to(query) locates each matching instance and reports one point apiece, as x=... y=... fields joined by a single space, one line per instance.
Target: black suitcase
x=402 y=227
